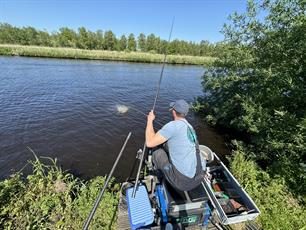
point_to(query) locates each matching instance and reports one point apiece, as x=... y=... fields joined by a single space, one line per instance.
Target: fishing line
x=137 y=110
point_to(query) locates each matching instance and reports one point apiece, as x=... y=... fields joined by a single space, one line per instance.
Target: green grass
x=279 y=209
x=52 y=199
x=50 y=52
x=49 y=198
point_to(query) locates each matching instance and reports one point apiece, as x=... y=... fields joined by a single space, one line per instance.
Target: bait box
x=234 y=190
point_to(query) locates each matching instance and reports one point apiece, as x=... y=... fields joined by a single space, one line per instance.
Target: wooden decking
x=123 y=218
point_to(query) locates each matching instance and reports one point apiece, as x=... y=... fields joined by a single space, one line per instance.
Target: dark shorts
x=174 y=177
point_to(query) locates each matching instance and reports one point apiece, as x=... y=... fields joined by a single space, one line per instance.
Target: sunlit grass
x=49 y=198
x=38 y=51
x=279 y=209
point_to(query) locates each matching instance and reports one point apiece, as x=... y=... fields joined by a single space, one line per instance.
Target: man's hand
x=151 y=116
x=153 y=139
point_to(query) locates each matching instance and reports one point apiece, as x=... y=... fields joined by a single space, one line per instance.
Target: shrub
x=279 y=209
x=52 y=199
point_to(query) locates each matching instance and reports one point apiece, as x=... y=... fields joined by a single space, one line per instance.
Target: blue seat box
x=139 y=208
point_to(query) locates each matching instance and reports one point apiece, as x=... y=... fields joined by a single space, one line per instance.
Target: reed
x=71 y=53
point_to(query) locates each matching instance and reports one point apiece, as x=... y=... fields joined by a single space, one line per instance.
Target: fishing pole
x=154 y=104
x=86 y=225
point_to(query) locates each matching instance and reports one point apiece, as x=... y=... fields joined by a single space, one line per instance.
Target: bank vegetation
x=49 y=198
x=52 y=52
x=258 y=93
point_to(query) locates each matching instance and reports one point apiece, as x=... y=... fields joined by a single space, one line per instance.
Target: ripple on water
x=69 y=109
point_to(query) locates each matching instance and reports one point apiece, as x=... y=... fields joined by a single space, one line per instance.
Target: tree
x=258 y=87
x=92 y=40
x=86 y=39
x=28 y=36
x=67 y=38
x=100 y=39
x=162 y=46
x=122 y=43
x=173 y=46
x=109 y=40
x=8 y=34
x=151 y=43
x=158 y=45
x=44 y=38
x=142 y=42
x=131 y=45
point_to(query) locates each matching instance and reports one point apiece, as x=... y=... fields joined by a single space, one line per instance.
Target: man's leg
x=160 y=159
x=161 y=162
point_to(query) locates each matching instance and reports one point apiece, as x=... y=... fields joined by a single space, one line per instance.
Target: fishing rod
x=154 y=104
x=86 y=225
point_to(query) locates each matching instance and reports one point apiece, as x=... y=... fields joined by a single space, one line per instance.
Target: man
x=183 y=168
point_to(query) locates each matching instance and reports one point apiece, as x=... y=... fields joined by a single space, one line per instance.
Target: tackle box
x=187 y=208
x=231 y=202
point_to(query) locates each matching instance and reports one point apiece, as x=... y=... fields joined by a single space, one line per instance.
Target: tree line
x=105 y=40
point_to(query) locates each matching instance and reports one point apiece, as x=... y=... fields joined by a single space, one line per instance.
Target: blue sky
x=195 y=20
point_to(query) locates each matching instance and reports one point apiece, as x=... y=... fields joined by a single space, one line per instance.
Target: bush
x=52 y=199
x=258 y=88
x=279 y=210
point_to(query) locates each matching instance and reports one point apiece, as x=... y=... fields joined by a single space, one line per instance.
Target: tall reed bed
x=38 y=51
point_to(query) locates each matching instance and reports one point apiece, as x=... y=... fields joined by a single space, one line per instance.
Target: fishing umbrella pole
x=86 y=225
x=154 y=104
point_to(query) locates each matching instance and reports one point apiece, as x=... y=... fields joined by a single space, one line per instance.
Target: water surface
x=66 y=109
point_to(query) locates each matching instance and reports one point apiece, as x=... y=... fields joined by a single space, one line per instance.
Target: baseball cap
x=180 y=106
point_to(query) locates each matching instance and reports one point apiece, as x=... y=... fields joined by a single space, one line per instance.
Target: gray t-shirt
x=181 y=146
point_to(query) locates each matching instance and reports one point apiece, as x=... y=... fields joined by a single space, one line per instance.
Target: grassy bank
x=52 y=199
x=279 y=209
x=38 y=51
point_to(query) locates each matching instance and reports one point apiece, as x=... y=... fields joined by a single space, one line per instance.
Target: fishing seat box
x=139 y=208
x=189 y=208
x=233 y=190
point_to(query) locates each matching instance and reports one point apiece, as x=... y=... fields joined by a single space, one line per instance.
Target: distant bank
x=50 y=52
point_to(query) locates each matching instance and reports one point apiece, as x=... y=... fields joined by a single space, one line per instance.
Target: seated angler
x=181 y=165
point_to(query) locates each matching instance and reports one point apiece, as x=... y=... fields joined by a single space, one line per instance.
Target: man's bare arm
x=153 y=139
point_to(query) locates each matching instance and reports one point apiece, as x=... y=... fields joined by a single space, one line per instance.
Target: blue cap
x=180 y=106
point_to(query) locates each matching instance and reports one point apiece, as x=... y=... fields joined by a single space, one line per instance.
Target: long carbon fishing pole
x=86 y=225
x=154 y=104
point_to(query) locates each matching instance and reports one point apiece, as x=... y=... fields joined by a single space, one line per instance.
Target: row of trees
x=107 y=40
